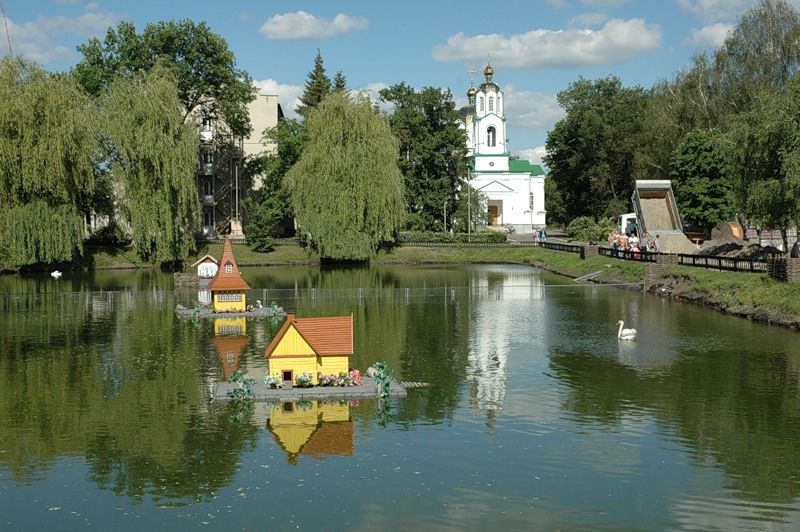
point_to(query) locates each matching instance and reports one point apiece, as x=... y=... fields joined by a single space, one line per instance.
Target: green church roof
x=521 y=165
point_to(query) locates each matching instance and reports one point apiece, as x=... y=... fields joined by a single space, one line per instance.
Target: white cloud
x=617 y=41
x=534 y=155
x=588 y=19
x=300 y=26
x=605 y=3
x=529 y=109
x=715 y=10
x=288 y=95
x=91 y=6
x=37 y=40
x=712 y=35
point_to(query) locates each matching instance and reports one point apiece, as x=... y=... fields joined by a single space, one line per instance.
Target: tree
x=346 y=189
x=594 y=153
x=153 y=156
x=48 y=148
x=199 y=59
x=700 y=177
x=340 y=82
x=433 y=151
x=760 y=52
x=269 y=207
x=318 y=86
x=765 y=150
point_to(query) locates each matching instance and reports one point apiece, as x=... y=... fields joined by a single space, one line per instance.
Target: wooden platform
x=261 y=392
x=206 y=312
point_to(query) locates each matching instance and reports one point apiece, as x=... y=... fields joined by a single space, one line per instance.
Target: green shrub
x=585 y=229
x=413 y=237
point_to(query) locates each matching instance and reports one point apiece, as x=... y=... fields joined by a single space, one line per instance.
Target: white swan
x=55 y=274
x=625 y=334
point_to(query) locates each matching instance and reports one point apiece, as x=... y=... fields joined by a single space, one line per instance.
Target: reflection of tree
x=742 y=410
x=119 y=383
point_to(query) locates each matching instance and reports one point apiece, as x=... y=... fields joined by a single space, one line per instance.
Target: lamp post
x=469 y=208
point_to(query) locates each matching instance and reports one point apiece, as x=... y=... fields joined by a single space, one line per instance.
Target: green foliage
x=585 y=229
x=153 y=159
x=554 y=204
x=699 y=172
x=346 y=189
x=268 y=209
x=318 y=86
x=432 y=154
x=340 y=82
x=471 y=206
x=594 y=152
x=383 y=379
x=48 y=146
x=765 y=147
x=411 y=237
x=199 y=59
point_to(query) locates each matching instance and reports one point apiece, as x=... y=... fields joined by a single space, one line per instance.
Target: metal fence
x=732 y=264
x=641 y=256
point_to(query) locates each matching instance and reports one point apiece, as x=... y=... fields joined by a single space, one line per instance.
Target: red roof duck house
x=312 y=346
x=228 y=288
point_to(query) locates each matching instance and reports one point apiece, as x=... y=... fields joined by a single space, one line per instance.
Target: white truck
x=627 y=224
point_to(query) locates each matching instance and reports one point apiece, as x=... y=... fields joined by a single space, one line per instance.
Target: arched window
x=480 y=104
x=491 y=135
x=499 y=109
x=491 y=104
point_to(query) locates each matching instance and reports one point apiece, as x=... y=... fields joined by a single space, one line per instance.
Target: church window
x=480 y=104
x=531 y=200
x=491 y=135
x=491 y=104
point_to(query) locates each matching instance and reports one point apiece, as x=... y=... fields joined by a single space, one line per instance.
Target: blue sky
x=537 y=47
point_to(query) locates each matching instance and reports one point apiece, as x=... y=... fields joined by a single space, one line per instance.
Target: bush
x=412 y=237
x=585 y=229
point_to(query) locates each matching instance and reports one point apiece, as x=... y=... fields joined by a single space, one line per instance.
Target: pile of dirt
x=738 y=249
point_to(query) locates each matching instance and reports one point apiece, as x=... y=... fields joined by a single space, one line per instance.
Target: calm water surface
x=537 y=417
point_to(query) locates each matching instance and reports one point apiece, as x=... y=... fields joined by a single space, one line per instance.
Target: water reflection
x=696 y=424
x=313 y=428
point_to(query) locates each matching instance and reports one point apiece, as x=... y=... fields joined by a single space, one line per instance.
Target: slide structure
x=658 y=216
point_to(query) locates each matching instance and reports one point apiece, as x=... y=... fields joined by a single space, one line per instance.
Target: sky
x=536 y=47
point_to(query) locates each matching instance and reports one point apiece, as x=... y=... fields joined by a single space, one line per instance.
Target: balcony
x=206 y=168
x=208 y=200
x=206 y=136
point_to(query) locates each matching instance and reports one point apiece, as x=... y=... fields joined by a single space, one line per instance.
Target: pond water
x=537 y=417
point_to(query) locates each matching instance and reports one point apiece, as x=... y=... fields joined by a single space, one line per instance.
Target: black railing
x=732 y=264
x=641 y=256
x=558 y=246
x=468 y=244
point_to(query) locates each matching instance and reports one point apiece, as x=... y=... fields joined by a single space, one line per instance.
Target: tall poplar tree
x=346 y=189
x=153 y=158
x=48 y=148
x=318 y=86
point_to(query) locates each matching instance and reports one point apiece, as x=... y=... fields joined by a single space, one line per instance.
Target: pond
x=536 y=416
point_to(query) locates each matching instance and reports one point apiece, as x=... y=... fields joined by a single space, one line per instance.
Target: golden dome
x=471 y=92
x=488 y=72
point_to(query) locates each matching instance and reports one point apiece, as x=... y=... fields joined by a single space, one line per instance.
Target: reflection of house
x=228 y=288
x=312 y=428
x=312 y=346
x=230 y=340
x=207 y=267
x=229 y=349
x=514 y=188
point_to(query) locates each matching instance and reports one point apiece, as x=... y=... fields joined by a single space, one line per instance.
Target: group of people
x=623 y=242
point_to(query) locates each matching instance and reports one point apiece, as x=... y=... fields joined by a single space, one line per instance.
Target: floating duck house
x=311 y=346
x=207 y=267
x=228 y=288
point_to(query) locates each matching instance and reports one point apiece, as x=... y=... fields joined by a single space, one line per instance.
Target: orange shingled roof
x=224 y=280
x=327 y=336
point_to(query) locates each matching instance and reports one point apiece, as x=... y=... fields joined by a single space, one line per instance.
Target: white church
x=514 y=188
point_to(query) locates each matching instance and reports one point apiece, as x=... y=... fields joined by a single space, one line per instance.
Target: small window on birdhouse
x=228 y=267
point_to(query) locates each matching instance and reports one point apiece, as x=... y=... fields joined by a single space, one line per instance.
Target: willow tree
x=47 y=153
x=153 y=159
x=346 y=189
